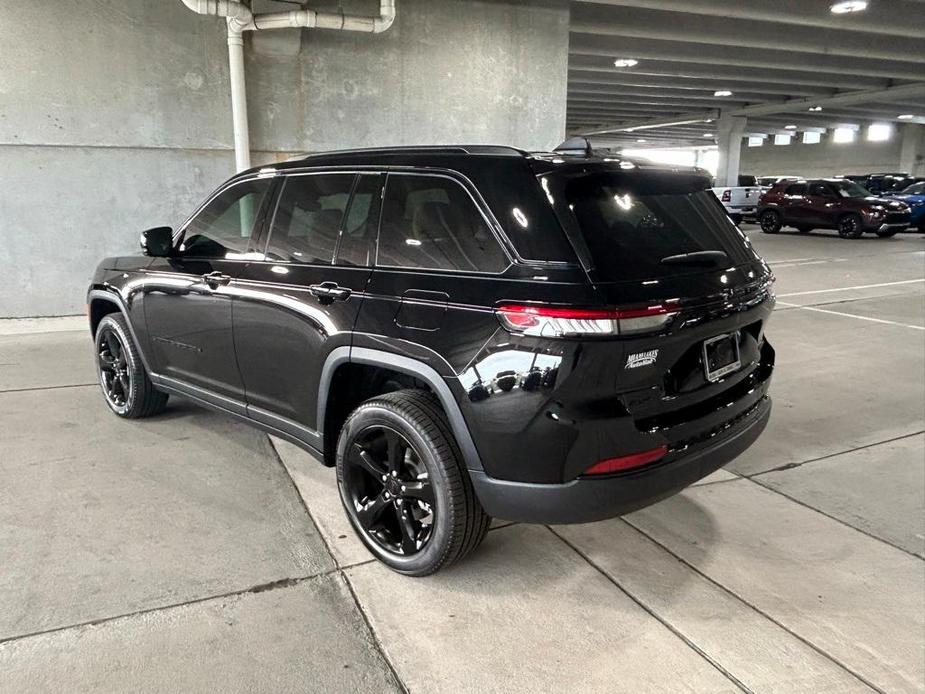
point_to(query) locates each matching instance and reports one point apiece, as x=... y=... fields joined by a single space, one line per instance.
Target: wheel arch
x=341 y=357
x=102 y=302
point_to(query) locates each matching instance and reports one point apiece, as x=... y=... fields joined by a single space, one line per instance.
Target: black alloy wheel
x=404 y=485
x=390 y=490
x=770 y=222
x=123 y=379
x=849 y=227
x=115 y=378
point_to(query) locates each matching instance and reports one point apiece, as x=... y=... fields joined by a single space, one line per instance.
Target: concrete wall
x=828 y=158
x=114 y=114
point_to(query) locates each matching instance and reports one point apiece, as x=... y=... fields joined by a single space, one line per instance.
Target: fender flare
x=116 y=298
x=411 y=367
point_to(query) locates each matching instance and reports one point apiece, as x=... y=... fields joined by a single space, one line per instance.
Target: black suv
x=464 y=332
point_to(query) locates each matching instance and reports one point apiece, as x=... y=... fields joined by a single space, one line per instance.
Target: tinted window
x=630 y=227
x=917 y=189
x=359 y=230
x=798 y=189
x=431 y=222
x=223 y=228
x=308 y=217
x=820 y=189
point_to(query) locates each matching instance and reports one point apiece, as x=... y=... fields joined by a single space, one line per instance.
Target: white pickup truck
x=741 y=201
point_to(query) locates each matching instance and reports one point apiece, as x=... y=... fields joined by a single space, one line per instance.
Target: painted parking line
x=850 y=315
x=848 y=289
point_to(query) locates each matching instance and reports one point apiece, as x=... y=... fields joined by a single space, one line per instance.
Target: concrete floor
x=188 y=553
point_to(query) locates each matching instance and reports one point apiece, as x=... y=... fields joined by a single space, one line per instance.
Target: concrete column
x=729 y=132
x=912 y=152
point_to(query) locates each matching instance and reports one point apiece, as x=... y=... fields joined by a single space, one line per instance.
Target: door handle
x=326 y=292
x=216 y=279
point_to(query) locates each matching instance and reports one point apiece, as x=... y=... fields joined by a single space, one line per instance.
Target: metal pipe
x=239 y=125
x=240 y=19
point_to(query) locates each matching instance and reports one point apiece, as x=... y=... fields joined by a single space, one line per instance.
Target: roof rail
x=422 y=149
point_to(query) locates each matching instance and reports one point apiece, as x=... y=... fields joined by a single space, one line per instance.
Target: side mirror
x=157 y=242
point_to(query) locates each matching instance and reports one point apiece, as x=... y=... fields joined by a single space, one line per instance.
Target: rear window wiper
x=706 y=258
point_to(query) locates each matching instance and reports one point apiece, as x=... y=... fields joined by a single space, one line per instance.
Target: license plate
x=721 y=356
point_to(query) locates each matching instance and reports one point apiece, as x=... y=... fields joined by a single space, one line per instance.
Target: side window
x=308 y=217
x=820 y=190
x=359 y=232
x=431 y=222
x=798 y=189
x=223 y=228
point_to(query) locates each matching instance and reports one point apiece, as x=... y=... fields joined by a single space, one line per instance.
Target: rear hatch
x=660 y=242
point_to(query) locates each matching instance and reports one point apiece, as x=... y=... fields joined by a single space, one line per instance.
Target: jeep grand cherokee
x=463 y=332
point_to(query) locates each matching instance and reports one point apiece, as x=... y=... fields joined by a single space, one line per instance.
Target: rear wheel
x=770 y=222
x=849 y=227
x=404 y=486
x=122 y=376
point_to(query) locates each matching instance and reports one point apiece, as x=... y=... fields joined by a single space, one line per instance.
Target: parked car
x=830 y=203
x=883 y=183
x=914 y=197
x=767 y=181
x=741 y=201
x=462 y=332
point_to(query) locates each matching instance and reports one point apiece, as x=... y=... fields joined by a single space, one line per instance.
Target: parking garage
x=189 y=551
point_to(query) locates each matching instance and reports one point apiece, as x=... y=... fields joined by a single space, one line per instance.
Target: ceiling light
x=708 y=134
x=846 y=6
x=815 y=108
x=625 y=62
x=790 y=127
x=640 y=140
x=906 y=116
x=722 y=92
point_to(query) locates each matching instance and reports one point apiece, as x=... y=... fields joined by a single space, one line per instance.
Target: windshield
x=916 y=189
x=631 y=226
x=850 y=189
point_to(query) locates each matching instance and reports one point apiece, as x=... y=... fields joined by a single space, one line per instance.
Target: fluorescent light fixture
x=625 y=62
x=782 y=139
x=708 y=134
x=812 y=138
x=846 y=6
x=640 y=140
x=843 y=135
x=814 y=108
x=906 y=116
x=755 y=141
x=790 y=127
x=722 y=92
x=879 y=132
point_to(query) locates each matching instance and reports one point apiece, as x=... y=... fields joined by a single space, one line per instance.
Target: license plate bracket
x=721 y=356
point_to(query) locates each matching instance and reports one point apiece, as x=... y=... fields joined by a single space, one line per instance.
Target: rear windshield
x=631 y=224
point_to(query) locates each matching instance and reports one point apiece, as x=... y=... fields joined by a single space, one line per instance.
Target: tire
x=126 y=387
x=419 y=532
x=804 y=230
x=886 y=234
x=850 y=227
x=770 y=222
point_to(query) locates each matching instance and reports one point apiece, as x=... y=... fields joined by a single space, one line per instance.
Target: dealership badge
x=634 y=361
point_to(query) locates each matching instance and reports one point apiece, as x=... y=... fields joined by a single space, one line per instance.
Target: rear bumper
x=585 y=500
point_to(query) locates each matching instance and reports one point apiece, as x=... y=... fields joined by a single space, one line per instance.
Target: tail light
x=627 y=462
x=555 y=321
x=727 y=196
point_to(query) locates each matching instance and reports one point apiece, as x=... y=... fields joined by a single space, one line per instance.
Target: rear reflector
x=555 y=321
x=627 y=462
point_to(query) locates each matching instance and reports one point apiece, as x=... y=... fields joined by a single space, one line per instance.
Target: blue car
x=914 y=197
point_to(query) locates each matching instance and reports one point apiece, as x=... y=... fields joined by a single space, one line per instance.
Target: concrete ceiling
x=778 y=58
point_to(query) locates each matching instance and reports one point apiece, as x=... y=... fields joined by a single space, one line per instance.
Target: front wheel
x=404 y=486
x=122 y=376
x=770 y=222
x=850 y=227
